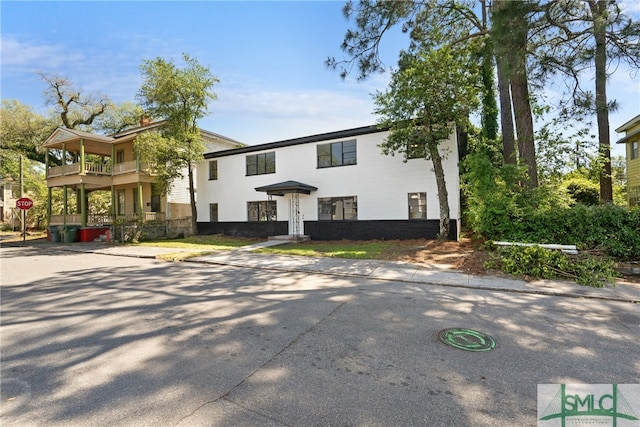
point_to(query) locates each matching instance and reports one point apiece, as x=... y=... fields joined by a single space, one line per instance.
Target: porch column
x=113 y=162
x=114 y=212
x=140 y=198
x=49 y=198
x=83 y=205
x=63 y=162
x=64 y=205
x=49 y=193
x=82 y=171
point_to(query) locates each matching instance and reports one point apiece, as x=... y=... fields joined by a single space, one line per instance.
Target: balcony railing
x=99 y=169
x=100 y=220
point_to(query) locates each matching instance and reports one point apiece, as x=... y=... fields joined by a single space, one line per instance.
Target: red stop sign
x=24 y=203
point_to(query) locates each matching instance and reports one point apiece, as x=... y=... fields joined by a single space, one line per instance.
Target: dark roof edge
x=628 y=137
x=364 y=130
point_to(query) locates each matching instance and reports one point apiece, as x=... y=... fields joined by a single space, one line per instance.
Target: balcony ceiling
x=71 y=138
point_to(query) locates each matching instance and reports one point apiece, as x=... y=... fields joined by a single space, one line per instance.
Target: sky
x=269 y=57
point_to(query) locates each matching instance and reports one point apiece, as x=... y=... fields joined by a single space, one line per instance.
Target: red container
x=90 y=234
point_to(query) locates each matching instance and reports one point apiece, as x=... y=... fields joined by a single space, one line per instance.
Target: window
x=634 y=196
x=120 y=203
x=155 y=202
x=416 y=151
x=337 y=208
x=634 y=150
x=260 y=164
x=337 y=154
x=417 y=205
x=119 y=156
x=213 y=212
x=136 y=202
x=213 y=170
x=262 y=211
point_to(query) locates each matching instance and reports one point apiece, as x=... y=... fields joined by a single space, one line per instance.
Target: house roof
x=628 y=136
x=348 y=133
x=93 y=144
x=101 y=144
x=631 y=123
x=287 y=187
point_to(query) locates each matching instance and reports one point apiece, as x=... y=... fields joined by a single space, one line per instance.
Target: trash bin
x=55 y=234
x=70 y=233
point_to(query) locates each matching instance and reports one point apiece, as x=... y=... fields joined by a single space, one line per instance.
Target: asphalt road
x=94 y=340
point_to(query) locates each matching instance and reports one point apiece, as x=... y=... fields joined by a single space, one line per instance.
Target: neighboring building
x=632 y=143
x=9 y=194
x=329 y=186
x=109 y=163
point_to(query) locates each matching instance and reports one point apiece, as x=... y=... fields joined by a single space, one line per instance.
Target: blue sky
x=269 y=57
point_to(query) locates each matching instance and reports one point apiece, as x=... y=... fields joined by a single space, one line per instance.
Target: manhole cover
x=466 y=339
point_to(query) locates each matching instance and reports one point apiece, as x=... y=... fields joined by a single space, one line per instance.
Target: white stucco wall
x=380 y=182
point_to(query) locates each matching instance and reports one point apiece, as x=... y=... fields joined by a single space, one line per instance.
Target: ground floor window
x=634 y=196
x=337 y=208
x=417 y=205
x=213 y=212
x=136 y=202
x=262 y=211
x=120 y=197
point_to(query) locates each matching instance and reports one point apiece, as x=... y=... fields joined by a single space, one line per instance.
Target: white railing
x=73 y=219
x=97 y=168
x=125 y=167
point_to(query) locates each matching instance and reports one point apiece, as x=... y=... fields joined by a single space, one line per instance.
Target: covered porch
x=294 y=189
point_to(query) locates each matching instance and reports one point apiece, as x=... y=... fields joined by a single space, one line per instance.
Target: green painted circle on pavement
x=466 y=339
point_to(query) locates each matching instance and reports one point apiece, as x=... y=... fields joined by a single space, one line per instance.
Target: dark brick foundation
x=262 y=229
x=334 y=230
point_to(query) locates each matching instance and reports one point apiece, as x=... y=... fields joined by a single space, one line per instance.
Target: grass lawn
x=336 y=249
x=205 y=243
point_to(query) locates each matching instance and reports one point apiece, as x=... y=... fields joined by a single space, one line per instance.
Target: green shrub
x=540 y=263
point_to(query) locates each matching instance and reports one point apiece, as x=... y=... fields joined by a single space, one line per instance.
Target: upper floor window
x=119 y=156
x=260 y=164
x=213 y=170
x=337 y=154
x=337 y=208
x=634 y=149
x=417 y=205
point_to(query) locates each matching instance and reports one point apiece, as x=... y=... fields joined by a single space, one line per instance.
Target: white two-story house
x=330 y=186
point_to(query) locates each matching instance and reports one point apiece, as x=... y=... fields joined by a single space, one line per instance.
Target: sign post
x=24 y=204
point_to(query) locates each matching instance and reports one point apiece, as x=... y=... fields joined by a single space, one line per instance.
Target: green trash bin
x=70 y=234
x=55 y=234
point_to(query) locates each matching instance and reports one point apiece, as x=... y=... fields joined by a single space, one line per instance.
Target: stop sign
x=24 y=203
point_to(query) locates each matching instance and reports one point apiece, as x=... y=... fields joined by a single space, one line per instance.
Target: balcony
x=102 y=169
x=101 y=220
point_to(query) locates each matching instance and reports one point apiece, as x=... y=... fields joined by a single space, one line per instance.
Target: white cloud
x=19 y=56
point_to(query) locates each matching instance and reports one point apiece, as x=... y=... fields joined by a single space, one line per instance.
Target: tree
x=590 y=34
x=117 y=118
x=510 y=35
x=462 y=23
x=75 y=109
x=180 y=96
x=428 y=94
x=23 y=131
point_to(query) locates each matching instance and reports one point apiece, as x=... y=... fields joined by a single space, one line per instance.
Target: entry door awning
x=287 y=187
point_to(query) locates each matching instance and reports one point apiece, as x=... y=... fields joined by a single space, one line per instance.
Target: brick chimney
x=145 y=121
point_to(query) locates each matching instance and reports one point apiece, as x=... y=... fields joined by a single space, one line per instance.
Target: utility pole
x=24 y=212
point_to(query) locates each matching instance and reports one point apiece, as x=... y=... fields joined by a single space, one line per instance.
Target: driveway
x=91 y=339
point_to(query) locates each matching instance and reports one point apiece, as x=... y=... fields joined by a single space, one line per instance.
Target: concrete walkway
x=372 y=269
